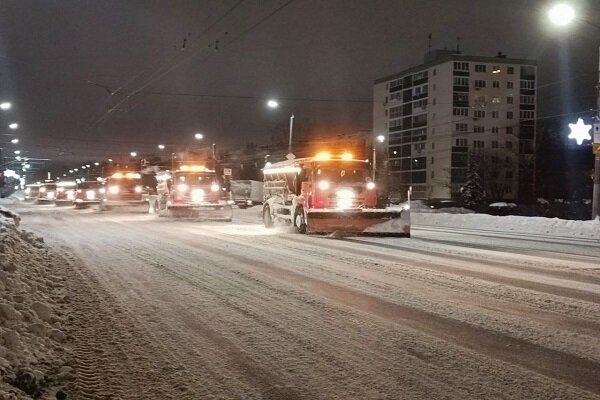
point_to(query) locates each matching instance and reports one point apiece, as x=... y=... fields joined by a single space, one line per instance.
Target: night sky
x=60 y=59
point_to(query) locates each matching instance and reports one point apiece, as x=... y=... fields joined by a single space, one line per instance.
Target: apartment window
x=461 y=66
x=509 y=115
x=420 y=104
x=510 y=70
x=526 y=115
x=496 y=100
x=462 y=127
x=395 y=123
x=494 y=129
x=509 y=144
x=495 y=114
x=478 y=129
x=480 y=68
x=510 y=85
x=461 y=81
x=509 y=130
x=432 y=174
x=508 y=189
x=478 y=144
x=479 y=114
x=509 y=174
x=395 y=112
x=508 y=160
x=495 y=159
x=496 y=69
x=419 y=146
x=461 y=143
x=434 y=72
x=434 y=101
x=527 y=99
x=494 y=144
x=510 y=100
x=460 y=111
x=432 y=160
x=480 y=83
x=396 y=84
x=385 y=112
x=496 y=84
x=432 y=145
x=528 y=85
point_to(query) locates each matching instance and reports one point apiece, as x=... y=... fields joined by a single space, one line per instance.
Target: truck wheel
x=300 y=220
x=242 y=206
x=267 y=217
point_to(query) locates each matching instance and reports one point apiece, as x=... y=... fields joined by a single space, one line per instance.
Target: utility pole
x=596 y=145
x=291 y=134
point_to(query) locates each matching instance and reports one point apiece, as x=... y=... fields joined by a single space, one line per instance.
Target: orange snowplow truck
x=328 y=193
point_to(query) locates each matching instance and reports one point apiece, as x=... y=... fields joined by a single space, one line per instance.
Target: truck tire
x=267 y=217
x=300 y=220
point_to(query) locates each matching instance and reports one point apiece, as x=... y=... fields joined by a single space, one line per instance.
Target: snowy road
x=203 y=310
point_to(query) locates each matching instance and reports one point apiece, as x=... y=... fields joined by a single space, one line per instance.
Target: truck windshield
x=343 y=175
x=195 y=178
x=127 y=183
x=88 y=185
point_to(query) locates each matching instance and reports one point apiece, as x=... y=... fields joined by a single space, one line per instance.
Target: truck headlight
x=371 y=185
x=182 y=187
x=102 y=190
x=70 y=195
x=215 y=187
x=197 y=195
x=28 y=190
x=43 y=190
x=344 y=198
x=90 y=195
x=138 y=189
x=323 y=185
x=50 y=195
x=113 y=189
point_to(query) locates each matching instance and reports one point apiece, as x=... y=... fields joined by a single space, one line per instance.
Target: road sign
x=596 y=148
x=227 y=171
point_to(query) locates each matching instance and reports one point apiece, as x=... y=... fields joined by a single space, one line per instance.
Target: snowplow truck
x=125 y=191
x=192 y=191
x=326 y=194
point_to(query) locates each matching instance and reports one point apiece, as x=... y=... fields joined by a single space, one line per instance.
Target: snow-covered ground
x=552 y=227
x=33 y=312
x=207 y=310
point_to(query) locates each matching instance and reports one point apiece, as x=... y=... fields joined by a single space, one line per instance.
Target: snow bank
x=33 y=300
x=512 y=224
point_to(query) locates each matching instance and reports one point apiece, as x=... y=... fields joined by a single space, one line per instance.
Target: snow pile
x=33 y=300
x=512 y=224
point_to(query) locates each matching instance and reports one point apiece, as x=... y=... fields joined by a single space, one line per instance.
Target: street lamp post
x=275 y=104
x=563 y=15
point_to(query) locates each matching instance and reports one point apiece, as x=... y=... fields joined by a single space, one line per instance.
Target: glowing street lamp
x=272 y=103
x=17 y=152
x=561 y=14
x=161 y=146
x=198 y=136
x=13 y=125
x=110 y=160
x=133 y=154
x=380 y=138
x=5 y=105
x=14 y=141
x=96 y=163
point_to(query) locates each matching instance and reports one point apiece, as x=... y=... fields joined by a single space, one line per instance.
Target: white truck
x=246 y=193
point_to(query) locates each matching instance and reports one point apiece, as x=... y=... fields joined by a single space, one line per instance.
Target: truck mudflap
x=376 y=222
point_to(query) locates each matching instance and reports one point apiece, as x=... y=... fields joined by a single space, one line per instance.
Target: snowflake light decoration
x=580 y=131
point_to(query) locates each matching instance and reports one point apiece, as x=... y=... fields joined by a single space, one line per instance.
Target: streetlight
x=561 y=14
x=14 y=141
x=198 y=136
x=5 y=105
x=13 y=125
x=110 y=160
x=380 y=138
x=17 y=152
x=96 y=163
x=272 y=103
x=133 y=154
x=161 y=146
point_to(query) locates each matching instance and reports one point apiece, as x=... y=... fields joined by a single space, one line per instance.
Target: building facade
x=453 y=110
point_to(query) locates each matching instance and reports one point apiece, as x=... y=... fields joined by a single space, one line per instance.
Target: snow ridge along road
x=187 y=310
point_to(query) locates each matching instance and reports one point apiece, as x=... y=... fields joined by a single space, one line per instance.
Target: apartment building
x=455 y=109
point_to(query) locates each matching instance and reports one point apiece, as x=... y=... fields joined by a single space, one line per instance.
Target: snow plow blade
x=211 y=213
x=376 y=222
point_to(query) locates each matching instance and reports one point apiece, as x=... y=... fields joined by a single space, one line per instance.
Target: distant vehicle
x=65 y=193
x=31 y=192
x=125 y=190
x=88 y=193
x=327 y=193
x=246 y=193
x=46 y=193
x=442 y=203
x=192 y=191
x=502 y=208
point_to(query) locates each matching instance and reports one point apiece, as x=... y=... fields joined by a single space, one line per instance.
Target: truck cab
x=88 y=193
x=125 y=189
x=191 y=191
x=31 y=192
x=46 y=193
x=65 y=193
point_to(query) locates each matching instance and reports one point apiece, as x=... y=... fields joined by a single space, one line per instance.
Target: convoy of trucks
x=324 y=193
